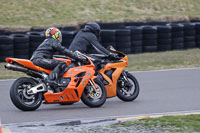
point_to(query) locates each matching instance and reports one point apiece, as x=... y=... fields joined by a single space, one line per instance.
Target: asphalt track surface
x=160 y=91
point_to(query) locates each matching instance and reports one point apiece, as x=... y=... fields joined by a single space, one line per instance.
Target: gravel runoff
x=96 y=125
x=86 y=129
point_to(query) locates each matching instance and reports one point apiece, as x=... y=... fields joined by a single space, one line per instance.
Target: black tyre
x=21 y=99
x=113 y=25
x=20 y=38
x=134 y=29
x=136 y=43
x=164 y=35
x=93 y=98
x=6 y=47
x=125 y=50
x=69 y=28
x=136 y=37
x=164 y=47
x=35 y=36
x=150 y=48
x=150 y=36
x=137 y=49
x=108 y=35
x=123 y=38
x=177 y=34
x=6 y=40
x=108 y=44
x=163 y=29
x=149 y=29
x=125 y=91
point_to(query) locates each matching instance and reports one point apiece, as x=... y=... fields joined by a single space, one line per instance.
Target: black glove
x=80 y=57
x=113 y=56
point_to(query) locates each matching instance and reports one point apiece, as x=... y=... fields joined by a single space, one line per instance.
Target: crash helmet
x=93 y=27
x=54 y=33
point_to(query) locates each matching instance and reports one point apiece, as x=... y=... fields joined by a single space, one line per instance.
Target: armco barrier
x=129 y=37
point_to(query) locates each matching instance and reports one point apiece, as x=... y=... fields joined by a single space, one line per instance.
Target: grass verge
x=184 y=123
x=66 y=12
x=143 y=62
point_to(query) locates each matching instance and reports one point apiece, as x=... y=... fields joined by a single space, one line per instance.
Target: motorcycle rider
x=86 y=41
x=43 y=55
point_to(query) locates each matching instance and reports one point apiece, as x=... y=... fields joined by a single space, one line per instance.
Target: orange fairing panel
x=24 y=62
x=68 y=62
x=27 y=63
x=73 y=91
x=111 y=88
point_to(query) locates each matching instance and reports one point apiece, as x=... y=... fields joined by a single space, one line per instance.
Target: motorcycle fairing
x=28 y=64
x=119 y=67
x=73 y=92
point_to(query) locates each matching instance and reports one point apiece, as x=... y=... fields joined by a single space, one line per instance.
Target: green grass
x=143 y=62
x=164 y=60
x=185 y=123
x=7 y=74
x=70 y=12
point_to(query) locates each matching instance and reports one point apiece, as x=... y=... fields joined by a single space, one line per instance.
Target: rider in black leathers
x=43 y=55
x=86 y=41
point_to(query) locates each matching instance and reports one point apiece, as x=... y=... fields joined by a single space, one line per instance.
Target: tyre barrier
x=108 y=37
x=128 y=37
x=6 y=47
x=150 y=38
x=35 y=39
x=177 y=31
x=189 y=35
x=164 y=38
x=21 y=45
x=123 y=40
x=136 y=39
x=67 y=37
x=197 y=27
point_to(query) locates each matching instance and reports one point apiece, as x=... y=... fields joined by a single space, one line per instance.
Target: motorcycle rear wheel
x=94 y=99
x=126 y=93
x=20 y=98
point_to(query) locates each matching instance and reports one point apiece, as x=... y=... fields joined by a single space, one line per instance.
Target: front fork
x=125 y=76
x=91 y=81
x=127 y=83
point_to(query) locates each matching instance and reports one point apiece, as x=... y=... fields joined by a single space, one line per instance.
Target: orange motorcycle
x=116 y=80
x=79 y=82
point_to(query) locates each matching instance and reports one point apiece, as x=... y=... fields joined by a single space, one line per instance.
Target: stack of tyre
x=68 y=37
x=177 y=31
x=136 y=39
x=197 y=25
x=189 y=35
x=123 y=40
x=1 y=32
x=108 y=38
x=6 y=47
x=114 y=25
x=68 y=28
x=150 y=38
x=164 y=38
x=35 y=39
x=21 y=45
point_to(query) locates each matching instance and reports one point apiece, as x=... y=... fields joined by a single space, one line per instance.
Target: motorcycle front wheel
x=127 y=90
x=20 y=98
x=94 y=98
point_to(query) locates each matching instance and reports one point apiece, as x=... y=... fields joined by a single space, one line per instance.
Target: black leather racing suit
x=44 y=53
x=86 y=42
